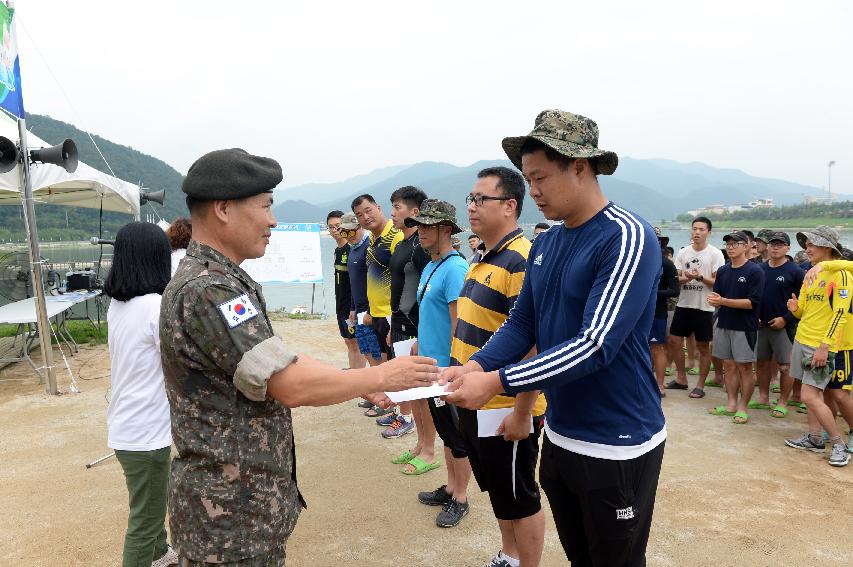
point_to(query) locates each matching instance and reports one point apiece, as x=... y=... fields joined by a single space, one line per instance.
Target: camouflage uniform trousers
x=275 y=558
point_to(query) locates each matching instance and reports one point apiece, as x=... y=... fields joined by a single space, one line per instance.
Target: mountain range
x=655 y=189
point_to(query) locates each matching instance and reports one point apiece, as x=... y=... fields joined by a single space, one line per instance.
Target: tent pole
x=35 y=259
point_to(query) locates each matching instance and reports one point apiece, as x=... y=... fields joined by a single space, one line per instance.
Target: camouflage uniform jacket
x=233 y=492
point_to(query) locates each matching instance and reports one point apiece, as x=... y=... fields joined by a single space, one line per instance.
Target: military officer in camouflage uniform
x=230 y=381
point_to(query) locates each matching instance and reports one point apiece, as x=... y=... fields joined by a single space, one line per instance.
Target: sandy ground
x=728 y=495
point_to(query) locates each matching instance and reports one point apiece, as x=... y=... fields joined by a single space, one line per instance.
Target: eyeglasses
x=478 y=200
x=348 y=233
x=733 y=243
x=334 y=227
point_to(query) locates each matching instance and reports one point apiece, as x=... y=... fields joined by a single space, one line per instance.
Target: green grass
x=83 y=332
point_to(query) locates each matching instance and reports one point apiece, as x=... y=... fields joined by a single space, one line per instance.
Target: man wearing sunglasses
x=343 y=292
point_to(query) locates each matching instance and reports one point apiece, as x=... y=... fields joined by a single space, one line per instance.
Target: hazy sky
x=334 y=89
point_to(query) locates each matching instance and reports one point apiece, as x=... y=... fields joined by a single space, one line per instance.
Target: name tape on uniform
x=238 y=310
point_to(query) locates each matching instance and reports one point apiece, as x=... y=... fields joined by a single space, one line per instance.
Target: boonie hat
x=231 y=174
x=571 y=135
x=433 y=212
x=736 y=235
x=349 y=222
x=821 y=236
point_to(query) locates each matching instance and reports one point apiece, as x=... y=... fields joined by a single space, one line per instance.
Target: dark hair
x=358 y=200
x=544 y=225
x=473 y=236
x=194 y=204
x=725 y=254
x=334 y=215
x=706 y=220
x=412 y=196
x=510 y=182
x=750 y=234
x=670 y=250
x=180 y=233
x=142 y=262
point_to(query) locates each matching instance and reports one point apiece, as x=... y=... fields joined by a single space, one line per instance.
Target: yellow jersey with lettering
x=824 y=311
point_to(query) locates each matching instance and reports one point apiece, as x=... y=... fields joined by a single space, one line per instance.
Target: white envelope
x=433 y=391
x=488 y=421
x=360 y=317
x=404 y=348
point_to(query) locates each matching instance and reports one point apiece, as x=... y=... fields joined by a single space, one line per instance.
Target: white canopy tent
x=86 y=187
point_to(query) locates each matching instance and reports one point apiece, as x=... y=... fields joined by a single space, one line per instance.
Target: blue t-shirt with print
x=446 y=278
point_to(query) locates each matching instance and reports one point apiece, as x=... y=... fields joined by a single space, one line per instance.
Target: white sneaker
x=169 y=558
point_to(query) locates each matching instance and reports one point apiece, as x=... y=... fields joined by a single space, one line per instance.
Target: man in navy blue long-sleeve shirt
x=587 y=305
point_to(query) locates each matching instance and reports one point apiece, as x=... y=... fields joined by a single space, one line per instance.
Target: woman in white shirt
x=180 y=233
x=138 y=426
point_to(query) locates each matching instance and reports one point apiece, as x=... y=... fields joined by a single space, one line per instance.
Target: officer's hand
x=407 y=372
x=811 y=275
x=474 y=389
x=515 y=426
x=379 y=399
x=368 y=320
x=793 y=303
x=455 y=372
x=777 y=323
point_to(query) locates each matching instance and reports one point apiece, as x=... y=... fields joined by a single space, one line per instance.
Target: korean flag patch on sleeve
x=238 y=310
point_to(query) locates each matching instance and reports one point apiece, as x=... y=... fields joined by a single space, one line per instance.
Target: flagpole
x=43 y=323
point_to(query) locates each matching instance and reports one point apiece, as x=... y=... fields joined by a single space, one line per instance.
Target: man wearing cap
x=737 y=293
x=820 y=356
x=230 y=381
x=438 y=291
x=777 y=325
x=368 y=343
x=343 y=290
x=587 y=304
x=667 y=288
x=762 y=243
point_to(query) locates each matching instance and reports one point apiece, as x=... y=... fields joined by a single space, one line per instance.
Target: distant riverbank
x=787 y=224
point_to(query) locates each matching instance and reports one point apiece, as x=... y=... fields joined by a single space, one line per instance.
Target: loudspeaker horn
x=8 y=155
x=156 y=196
x=63 y=155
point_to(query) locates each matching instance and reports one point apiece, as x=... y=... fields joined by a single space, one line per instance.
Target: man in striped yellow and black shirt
x=503 y=436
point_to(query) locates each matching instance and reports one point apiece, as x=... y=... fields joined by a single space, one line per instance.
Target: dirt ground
x=728 y=494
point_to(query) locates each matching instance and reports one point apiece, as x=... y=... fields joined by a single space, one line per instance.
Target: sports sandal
x=753 y=404
x=710 y=382
x=779 y=411
x=403 y=457
x=674 y=385
x=802 y=408
x=421 y=466
x=775 y=388
x=693 y=371
x=740 y=418
x=697 y=393
x=720 y=410
x=376 y=411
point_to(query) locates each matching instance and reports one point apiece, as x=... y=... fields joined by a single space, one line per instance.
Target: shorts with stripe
x=841 y=378
x=504 y=469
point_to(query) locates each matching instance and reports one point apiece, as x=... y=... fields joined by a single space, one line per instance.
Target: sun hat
x=820 y=236
x=349 y=222
x=433 y=212
x=571 y=135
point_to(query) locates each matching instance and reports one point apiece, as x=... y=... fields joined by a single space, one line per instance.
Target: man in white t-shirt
x=697 y=270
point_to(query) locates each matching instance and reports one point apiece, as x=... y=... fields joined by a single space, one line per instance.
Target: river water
x=288 y=296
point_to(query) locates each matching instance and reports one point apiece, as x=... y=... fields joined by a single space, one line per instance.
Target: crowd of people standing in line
x=756 y=318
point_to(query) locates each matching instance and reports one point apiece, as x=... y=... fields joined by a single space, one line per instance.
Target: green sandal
x=693 y=371
x=740 y=418
x=711 y=383
x=753 y=404
x=721 y=410
x=403 y=458
x=779 y=411
x=775 y=388
x=421 y=466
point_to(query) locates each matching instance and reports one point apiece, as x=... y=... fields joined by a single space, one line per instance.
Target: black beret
x=231 y=174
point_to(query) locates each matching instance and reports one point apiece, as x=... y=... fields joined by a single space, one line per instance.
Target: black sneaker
x=451 y=514
x=437 y=497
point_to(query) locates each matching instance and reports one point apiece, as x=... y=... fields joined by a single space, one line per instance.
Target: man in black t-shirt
x=343 y=294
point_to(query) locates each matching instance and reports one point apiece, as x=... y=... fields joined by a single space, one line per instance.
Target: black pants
x=602 y=508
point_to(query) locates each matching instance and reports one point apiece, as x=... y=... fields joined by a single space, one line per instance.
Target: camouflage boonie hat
x=664 y=240
x=349 y=222
x=821 y=236
x=571 y=135
x=435 y=211
x=764 y=235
